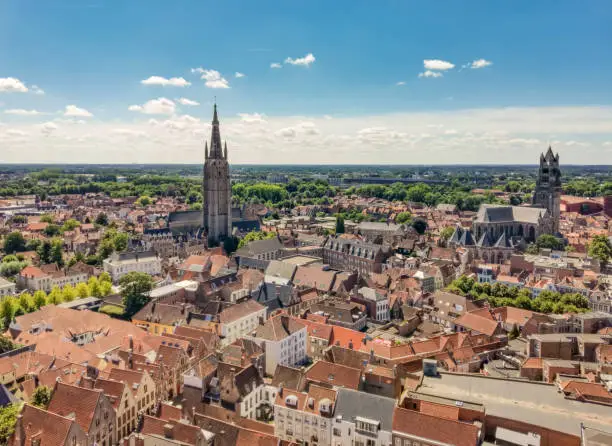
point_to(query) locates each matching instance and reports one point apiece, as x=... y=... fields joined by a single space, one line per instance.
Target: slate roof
x=352 y=403
x=489 y=213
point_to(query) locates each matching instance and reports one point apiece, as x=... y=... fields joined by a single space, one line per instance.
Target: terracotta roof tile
x=81 y=402
x=434 y=428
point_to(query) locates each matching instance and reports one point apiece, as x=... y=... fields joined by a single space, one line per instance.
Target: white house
x=121 y=263
x=240 y=319
x=7 y=288
x=48 y=276
x=283 y=339
x=305 y=418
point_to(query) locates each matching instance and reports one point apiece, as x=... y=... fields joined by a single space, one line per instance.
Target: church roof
x=489 y=213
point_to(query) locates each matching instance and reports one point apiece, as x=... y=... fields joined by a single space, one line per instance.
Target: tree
x=446 y=233
x=82 y=290
x=599 y=248
x=105 y=288
x=102 y=219
x=14 y=242
x=47 y=218
x=7 y=311
x=55 y=296
x=403 y=217
x=52 y=230
x=143 y=201
x=340 y=225
x=515 y=333
x=94 y=287
x=230 y=244
x=40 y=299
x=532 y=248
x=419 y=225
x=26 y=302
x=10 y=258
x=57 y=251
x=547 y=241
x=44 y=252
x=70 y=225
x=68 y=293
x=135 y=287
x=6 y=344
x=8 y=420
x=105 y=277
x=41 y=397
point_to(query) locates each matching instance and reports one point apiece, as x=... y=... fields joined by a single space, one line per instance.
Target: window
x=337 y=432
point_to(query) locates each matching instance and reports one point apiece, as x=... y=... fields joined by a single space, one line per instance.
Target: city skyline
x=401 y=84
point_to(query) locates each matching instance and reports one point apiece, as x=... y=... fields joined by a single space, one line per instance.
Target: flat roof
x=530 y=402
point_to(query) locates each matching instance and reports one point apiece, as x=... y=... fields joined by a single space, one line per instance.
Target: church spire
x=206 y=150
x=225 y=149
x=215 y=138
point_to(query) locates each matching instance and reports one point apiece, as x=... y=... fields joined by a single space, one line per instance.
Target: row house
x=305 y=417
x=46 y=277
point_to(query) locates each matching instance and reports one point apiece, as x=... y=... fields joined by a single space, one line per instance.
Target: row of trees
x=27 y=302
x=501 y=295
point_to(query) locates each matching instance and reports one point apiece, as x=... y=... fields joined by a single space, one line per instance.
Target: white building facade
x=120 y=264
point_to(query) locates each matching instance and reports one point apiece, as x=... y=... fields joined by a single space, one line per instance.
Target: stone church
x=216 y=187
x=498 y=230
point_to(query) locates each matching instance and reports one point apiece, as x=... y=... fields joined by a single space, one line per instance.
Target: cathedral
x=498 y=230
x=216 y=187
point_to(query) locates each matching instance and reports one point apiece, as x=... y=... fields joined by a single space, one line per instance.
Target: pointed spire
x=225 y=149
x=206 y=150
x=550 y=156
x=215 y=117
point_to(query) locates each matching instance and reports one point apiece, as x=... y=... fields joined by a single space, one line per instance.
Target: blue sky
x=546 y=60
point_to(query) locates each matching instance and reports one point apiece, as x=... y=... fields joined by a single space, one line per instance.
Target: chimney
x=131 y=341
x=168 y=430
x=350 y=344
x=184 y=413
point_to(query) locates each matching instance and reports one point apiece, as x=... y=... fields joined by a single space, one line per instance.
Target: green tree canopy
x=340 y=225
x=547 y=241
x=135 y=287
x=601 y=249
x=41 y=397
x=403 y=217
x=14 y=242
x=254 y=236
x=8 y=420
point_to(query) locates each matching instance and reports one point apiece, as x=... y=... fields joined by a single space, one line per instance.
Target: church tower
x=548 y=187
x=216 y=187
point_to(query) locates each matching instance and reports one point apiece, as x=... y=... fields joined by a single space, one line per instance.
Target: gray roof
x=378 y=226
x=526 y=401
x=351 y=404
x=277 y=268
x=185 y=216
x=490 y=213
x=261 y=246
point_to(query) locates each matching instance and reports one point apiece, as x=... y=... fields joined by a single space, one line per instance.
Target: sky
x=312 y=82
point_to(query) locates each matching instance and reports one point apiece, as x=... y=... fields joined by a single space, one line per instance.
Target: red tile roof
x=434 y=428
x=47 y=427
x=81 y=402
x=334 y=374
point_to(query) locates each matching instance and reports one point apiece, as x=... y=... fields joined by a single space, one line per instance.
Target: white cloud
x=12 y=85
x=212 y=77
x=480 y=63
x=238 y=74
x=22 y=112
x=400 y=83
x=185 y=101
x=48 y=128
x=275 y=65
x=287 y=133
x=76 y=112
x=253 y=118
x=483 y=136
x=305 y=61
x=159 y=106
x=37 y=90
x=172 y=82
x=430 y=73
x=437 y=64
